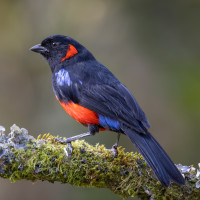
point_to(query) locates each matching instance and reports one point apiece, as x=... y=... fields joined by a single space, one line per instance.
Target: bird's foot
x=63 y=141
x=69 y=149
x=114 y=150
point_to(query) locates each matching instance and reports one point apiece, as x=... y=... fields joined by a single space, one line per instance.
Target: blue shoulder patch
x=63 y=78
x=109 y=123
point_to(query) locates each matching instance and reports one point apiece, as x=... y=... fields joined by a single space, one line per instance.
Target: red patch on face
x=71 y=51
x=80 y=113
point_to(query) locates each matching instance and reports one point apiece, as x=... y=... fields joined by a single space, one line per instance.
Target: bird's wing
x=115 y=102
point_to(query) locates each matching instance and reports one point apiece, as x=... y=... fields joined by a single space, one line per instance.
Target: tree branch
x=24 y=157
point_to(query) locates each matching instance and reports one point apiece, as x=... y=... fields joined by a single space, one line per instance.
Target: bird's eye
x=54 y=44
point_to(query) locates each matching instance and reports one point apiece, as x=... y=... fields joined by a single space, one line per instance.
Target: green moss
x=89 y=166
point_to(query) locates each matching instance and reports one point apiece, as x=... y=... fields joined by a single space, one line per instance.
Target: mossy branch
x=24 y=157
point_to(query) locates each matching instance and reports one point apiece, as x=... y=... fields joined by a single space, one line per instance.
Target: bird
x=93 y=96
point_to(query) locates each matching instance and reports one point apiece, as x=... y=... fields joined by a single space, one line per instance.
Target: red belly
x=80 y=114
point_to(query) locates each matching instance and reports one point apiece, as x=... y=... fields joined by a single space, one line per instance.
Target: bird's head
x=60 y=49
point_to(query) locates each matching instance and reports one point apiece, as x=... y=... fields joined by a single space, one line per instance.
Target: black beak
x=39 y=49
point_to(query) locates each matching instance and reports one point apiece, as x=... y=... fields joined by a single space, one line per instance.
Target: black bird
x=93 y=96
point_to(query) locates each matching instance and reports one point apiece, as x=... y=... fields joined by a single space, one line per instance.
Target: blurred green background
x=151 y=46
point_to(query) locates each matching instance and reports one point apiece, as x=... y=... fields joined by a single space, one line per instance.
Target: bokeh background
x=151 y=46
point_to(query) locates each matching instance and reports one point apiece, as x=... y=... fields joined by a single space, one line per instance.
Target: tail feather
x=155 y=156
x=152 y=161
x=171 y=169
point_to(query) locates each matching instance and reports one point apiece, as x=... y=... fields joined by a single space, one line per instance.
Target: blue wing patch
x=63 y=78
x=109 y=123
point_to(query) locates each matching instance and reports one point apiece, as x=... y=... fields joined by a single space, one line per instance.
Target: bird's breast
x=87 y=117
x=80 y=113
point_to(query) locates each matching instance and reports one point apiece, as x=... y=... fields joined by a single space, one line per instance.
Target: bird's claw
x=114 y=150
x=59 y=140
x=69 y=149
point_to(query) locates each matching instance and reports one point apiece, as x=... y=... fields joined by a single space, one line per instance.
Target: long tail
x=155 y=156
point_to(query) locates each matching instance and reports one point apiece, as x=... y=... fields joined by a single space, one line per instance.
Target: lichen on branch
x=24 y=157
